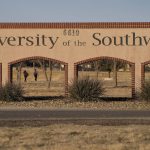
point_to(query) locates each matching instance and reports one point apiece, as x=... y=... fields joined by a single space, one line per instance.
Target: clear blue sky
x=74 y=10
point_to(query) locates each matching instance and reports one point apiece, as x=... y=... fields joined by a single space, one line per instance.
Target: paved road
x=70 y=114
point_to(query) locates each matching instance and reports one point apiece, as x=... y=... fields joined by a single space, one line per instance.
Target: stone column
x=0 y=74
x=4 y=72
x=138 y=76
x=70 y=72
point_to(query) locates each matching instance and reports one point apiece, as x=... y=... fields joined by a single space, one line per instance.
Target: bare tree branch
x=43 y=68
x=50 y=73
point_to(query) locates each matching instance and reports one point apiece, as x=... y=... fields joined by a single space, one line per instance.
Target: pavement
x=79 y=116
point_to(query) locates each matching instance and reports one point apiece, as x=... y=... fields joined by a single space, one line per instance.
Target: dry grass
x=75 y=137
x=124 y=82
x=39 y=88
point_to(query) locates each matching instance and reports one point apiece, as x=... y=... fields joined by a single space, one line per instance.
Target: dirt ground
x=67 y=103
x=75 y=137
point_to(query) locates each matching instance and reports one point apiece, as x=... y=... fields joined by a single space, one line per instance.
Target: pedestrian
x=35 y=74
x=25 y=73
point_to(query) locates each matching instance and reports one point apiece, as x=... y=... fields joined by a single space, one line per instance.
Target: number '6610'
x=71 y=32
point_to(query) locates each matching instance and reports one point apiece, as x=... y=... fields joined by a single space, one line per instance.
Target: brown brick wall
x=86 y=25
x=0 y=74
x=78 y=25
x=143 y=73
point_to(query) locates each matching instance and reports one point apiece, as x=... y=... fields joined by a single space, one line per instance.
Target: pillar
x=70 y=72
x=138 y=76
x=0 y=74
x=4 y=72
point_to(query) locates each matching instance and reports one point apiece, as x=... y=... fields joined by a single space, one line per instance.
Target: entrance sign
x=125 y=40
x=73 y=44
x=98 y=39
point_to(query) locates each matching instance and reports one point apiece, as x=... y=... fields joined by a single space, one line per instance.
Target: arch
x=0 y=74
x=110 y=58
x=40 y=57
x=143 y=71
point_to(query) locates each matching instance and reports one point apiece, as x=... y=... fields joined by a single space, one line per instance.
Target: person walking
x=35 y=74
x=25 y=73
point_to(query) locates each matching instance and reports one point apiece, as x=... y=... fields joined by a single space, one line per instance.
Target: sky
x=74 y=10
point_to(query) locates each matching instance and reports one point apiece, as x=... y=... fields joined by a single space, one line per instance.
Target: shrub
x=86 y=89
x=145 y=91
x=11 y=92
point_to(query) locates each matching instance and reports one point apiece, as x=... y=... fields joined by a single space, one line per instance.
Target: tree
x=109 y=65
x=43 y=66
x=115 y=69
x=19 y=67
x=97 y=67
x=50 y=73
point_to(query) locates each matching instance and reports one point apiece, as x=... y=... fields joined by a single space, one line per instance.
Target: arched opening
x=116 y=74
x=40 y=76
x=0 y=74
x=145 y=72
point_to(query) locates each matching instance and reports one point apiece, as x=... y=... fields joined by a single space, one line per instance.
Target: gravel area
x=67 y=103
